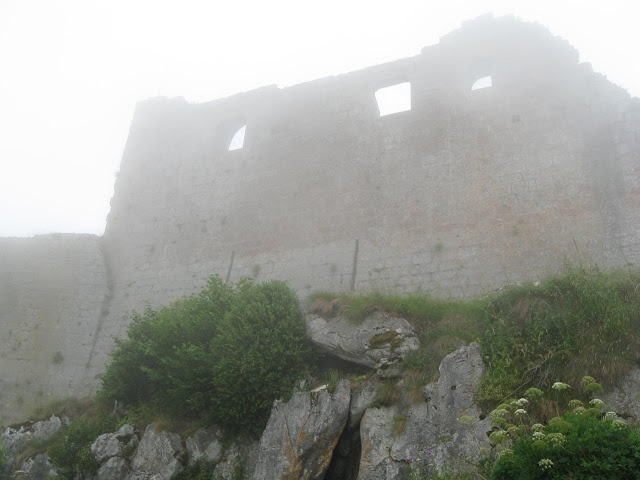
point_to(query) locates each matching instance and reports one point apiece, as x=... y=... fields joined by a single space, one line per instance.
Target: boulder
x=37 y=468
x=238 y=461
x=361 y=399
x=302 y=433
x=205 y=445
x=113 y=444
x=159 y=456
x=116 y=468
x=379 y=342
x=434 y=438
x=624 y=398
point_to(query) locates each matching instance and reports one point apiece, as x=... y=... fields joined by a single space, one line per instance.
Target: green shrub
x=578 y=446
x=227 y=352
x=200 y=470
x=261 y=350
x=70 y=448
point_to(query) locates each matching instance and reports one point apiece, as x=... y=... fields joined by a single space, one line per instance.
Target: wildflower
x=505 y=452
x=533 y=393
x=537 y=427
x=586 y=380
x=579 y=410
x=560 y=386
x=522 y=402
x=610 y=415
x=498 y=412
x=575 y=403
x=556 y=438
x=619 y=424
x=545 y=463
x=597 y=403
x=520 y=411
x=498 y=437
x=538 y=435
x=428 y=452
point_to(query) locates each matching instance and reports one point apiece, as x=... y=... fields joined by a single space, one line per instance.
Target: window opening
x=237 y=142
x=484 y=82
x=394 y=99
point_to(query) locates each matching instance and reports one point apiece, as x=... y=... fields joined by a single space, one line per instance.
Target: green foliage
x=584 y=320
x=578 y=446
x=70 y=448
x=261 y=350
x=227 y=352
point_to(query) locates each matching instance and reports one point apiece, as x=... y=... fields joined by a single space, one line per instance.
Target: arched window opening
x=394 y=99
x=484 y=82
x=237 y=142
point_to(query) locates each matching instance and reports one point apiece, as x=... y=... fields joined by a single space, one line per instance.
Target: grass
x=584 y=321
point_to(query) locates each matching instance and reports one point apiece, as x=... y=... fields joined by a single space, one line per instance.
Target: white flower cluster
x=538 y=435
x=520 y=411
x=545 y=463
x=597 y=403
x=537 y=427
x=556 y=438
x=610 y=415
x=522 y=402
x=560 y=386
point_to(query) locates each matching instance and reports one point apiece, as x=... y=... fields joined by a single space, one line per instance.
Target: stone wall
x=466 y=192
x=52 y=291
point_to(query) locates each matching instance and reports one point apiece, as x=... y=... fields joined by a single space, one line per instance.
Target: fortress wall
x=52 y=290
x=467 y=192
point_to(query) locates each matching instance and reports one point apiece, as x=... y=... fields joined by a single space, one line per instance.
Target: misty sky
x=71 y=72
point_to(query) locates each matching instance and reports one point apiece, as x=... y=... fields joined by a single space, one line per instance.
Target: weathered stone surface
x=15 y=439
x=37 y=468
x=377 y=442
x=301 y=435
x=380 y=342
x=116 y=468
x=239 y=459
x=433 y=432
x=159 y=456
x=113 y=444
x=205 y=445
x=623 y=399
x=361 y=399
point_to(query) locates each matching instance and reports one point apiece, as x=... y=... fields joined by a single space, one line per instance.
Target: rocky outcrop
x=15 y=439
x=36 y=468
x=114 y=444
x=361 y=399
x=238 y=461
x=624 y=399
x=116 y=468
x=159 y=456
x=302 y=433
x=204 y=445
x=379 y=342
x=436 y=436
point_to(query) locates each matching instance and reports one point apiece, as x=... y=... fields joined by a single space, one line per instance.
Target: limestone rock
x=37 y=468
x=623 y=399
x=238 y=459
x=433 y=432
x=301 y=435
x=159 y=456
x=361 y=399
x=377 y=441
x=15 y=439
x=204 y=445
x=116 y=468
x=380 y=342
x=113 y=444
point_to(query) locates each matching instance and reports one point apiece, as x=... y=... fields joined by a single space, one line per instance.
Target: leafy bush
x=584 y=320
x=261 y=350
x=588 y=448
x=70 y=448
x=227 y=352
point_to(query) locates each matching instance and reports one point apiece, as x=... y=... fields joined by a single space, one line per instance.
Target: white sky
x=71 y=72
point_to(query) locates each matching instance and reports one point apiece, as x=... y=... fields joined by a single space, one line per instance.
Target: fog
x=71 y=72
